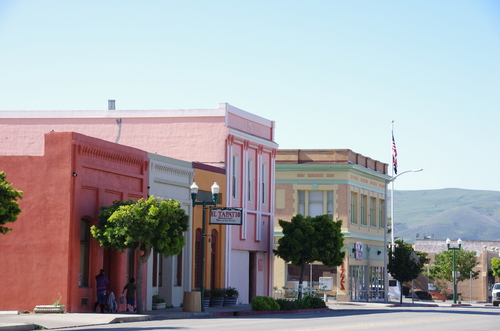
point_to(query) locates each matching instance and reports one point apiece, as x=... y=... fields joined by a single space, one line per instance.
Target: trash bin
x=192 y=301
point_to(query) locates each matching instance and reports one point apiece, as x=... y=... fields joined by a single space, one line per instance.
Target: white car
x=495 y=294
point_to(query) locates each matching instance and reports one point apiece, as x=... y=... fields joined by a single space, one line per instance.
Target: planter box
x=216 y=301
x=230 y=301
x=158 y=306
x=48 y=309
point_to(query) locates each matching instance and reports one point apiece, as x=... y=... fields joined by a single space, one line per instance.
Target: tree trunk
x=301 y=280
x=141 y=259
x=400 y=292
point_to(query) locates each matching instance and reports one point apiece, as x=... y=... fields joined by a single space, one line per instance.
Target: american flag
x=394 y=156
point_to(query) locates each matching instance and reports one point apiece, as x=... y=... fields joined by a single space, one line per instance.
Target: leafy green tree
x=9 y=207
x=465 y=261
x=495 y=266
x=309 y=239
x=405 y=264
x=141 y=226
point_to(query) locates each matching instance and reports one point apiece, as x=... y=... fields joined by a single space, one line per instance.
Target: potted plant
x=158 y=302
x=217 y=297
x=231 y=296
x=206 y=298
x=56 y=307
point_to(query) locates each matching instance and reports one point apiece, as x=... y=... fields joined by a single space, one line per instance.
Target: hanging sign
x=359 y=250
x=227 y=216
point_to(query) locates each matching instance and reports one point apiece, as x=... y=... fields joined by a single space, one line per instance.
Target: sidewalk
x=21 y=322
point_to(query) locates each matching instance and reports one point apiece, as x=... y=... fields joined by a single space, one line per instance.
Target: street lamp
x=391 y=180
x=454 y=249
x=387 y=181
x=215 y=196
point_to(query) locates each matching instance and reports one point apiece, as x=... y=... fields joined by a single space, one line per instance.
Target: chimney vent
x=111 y=104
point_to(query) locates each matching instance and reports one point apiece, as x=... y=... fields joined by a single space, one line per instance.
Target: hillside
x=453 y=213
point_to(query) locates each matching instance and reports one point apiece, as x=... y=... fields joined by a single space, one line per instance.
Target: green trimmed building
x=349 y=187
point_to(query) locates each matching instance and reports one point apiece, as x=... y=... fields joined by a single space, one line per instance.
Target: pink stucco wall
x=74 y=177
x=163 y=136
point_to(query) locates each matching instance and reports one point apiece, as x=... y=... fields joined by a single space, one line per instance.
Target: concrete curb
x=281 y=312
x=17 y=327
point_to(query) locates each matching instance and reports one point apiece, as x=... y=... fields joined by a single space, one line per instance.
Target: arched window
x=84 y=252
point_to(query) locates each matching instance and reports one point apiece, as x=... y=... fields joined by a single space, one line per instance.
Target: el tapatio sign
x=227 y=216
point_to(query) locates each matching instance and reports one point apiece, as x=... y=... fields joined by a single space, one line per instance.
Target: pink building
x=50 y=253
x=226 y=137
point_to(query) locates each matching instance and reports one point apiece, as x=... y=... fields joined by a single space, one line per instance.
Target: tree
x=405 y=264
x=141 y=226
x=465 y=261
x=9 y=207
x=495 y=266
x=309 y=239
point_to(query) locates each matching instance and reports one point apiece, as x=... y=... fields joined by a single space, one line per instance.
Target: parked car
x=495 y=294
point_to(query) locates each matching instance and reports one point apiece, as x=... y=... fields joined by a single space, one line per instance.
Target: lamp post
x=215 y=195
x=454 y=249
x=387 y=181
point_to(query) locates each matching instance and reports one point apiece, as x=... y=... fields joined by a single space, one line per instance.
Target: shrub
x=315 y=302
x=303 y=303
x=218 y=292
x=310 y=302
x=158 y=299
x=263 y=303
x=286 y=304
x=231 y=292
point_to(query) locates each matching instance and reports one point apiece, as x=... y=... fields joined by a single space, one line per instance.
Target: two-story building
x=346 y=186
x=225 y=137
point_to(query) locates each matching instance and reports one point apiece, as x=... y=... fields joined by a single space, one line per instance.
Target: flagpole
x=392 y=185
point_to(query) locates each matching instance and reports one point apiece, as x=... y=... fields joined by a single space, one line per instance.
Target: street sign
x=226 y=216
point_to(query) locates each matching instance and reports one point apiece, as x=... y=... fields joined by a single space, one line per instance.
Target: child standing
x=130 y=287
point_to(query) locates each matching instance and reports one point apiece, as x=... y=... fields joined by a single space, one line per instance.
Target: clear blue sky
x=332 y=74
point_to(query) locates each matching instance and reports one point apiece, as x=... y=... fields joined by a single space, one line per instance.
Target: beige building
x=477 y=290
x=349 y=187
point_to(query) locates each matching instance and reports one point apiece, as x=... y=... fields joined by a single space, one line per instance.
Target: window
x=263 y=183
x=311 y=270
x=250 y=179
x=84 y=252
x=329 y=203
x=235 y=177
x=362 y=210
x=157 y=268
x=314 y=203
x=213 y=259
x=373 y=218
x=302 y=203
x=354 y=208
x=178 y=271
x=381 y=212
x=197 y=259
